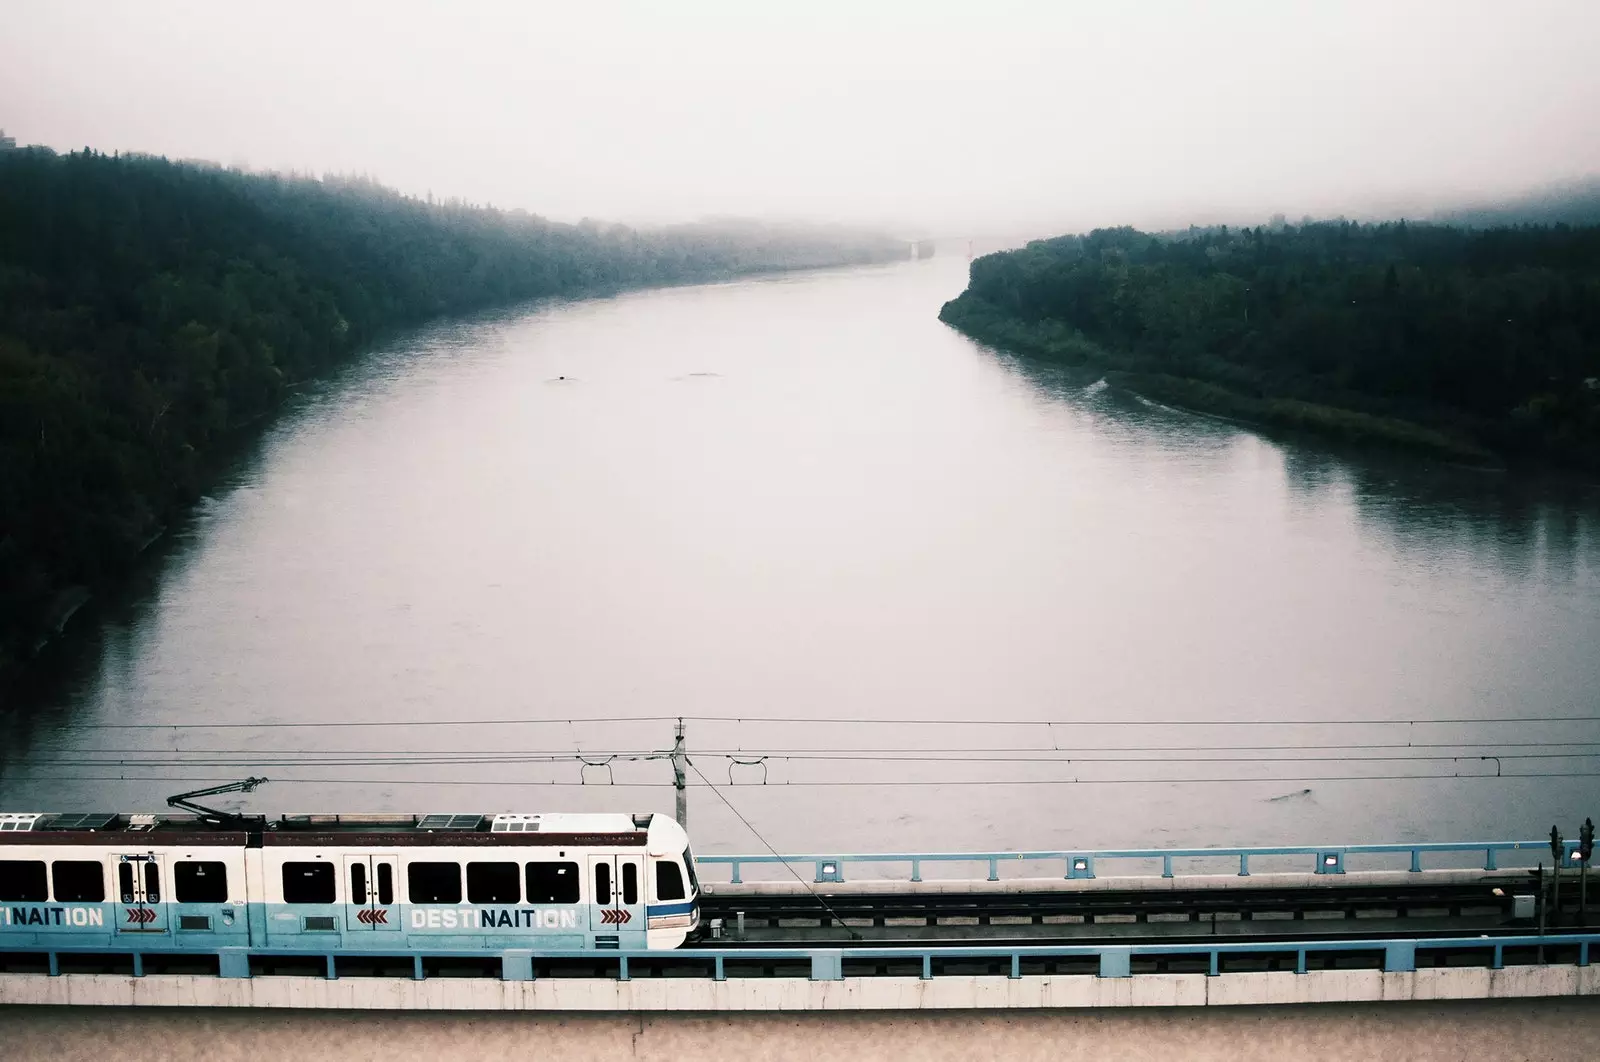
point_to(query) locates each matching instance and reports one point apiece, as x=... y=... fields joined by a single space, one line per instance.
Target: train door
x=618 y=902
x=142 y=892
x=371 y=881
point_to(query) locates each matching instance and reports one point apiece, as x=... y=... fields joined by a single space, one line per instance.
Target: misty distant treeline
x=1463 y=342
x=1568 y=202
x=150 y=309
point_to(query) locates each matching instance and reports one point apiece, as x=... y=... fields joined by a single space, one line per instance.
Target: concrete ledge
x=1127 y=883
x=785 y=994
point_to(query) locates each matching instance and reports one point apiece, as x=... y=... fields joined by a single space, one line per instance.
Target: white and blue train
x=325 y=883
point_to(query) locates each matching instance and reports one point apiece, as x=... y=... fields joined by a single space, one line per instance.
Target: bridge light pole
x=1585 y=852
x=1557 y=849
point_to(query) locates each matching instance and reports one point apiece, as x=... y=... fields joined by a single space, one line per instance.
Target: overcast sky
x=981 y=117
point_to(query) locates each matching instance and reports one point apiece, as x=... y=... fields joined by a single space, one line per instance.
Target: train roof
x=660 y=832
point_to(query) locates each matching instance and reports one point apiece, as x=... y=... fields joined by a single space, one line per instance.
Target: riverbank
x=1473 y=345
x=1056 y=341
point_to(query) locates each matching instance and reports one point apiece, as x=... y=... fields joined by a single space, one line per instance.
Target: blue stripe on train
x=207 y=926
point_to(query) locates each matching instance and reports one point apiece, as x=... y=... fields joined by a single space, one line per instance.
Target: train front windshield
x=688 y=863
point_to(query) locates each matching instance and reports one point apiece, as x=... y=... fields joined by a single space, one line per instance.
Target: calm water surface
x=803 y=501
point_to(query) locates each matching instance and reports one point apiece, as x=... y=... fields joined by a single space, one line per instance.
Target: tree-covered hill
x=150 y=309
x=1462 y=342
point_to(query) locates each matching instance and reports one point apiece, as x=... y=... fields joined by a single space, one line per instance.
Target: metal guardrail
x=1325 y=859
x=828 y=964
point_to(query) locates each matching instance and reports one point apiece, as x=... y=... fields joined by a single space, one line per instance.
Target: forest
x=152 y=311
x=1475 y=344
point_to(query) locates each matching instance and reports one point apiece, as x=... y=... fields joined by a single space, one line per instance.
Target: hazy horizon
x=942 y=120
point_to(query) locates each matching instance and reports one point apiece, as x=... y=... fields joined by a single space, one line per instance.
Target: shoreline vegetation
x=1474 y=346
x=154 y=313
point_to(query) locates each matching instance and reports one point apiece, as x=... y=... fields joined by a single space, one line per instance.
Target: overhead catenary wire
x=403 y=755
x=1282 y=761
x=839 y=721
x=751 y=759
x=387 y=723
x=854 y=782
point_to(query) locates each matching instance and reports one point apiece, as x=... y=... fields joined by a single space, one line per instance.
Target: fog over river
x=801 y=502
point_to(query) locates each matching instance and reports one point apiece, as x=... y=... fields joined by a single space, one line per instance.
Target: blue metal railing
x=828 y=964
x=1325 y=859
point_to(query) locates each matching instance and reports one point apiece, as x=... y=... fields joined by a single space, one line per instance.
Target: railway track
x=1456 y=901
x=1182 y=933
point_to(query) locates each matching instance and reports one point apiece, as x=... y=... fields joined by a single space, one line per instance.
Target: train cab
x=673 y=911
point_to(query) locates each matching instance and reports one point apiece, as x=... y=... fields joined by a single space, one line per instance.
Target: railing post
x=1400 y=956
x=1244 y=864
x=827 y=965
x=417 y=972
x=1166 y=866
x=1583 y=953
x=927 y=967
x=516 y=966
x=717 y=972
x=332 y=971
x=1489 y=860
x=1016 y=966
x=55 y=964
x=1211 y=971
x=622 y=968
x=994 y=869
x=233 y=962
x=1499 y=957
x=916 y=870
x=138 y=965
x=1416 y=861
x=1116 y=962
x=1300 y=961
x=737 y=880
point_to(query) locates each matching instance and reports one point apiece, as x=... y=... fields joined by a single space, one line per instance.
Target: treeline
x=1465 y=342
x=149 y=310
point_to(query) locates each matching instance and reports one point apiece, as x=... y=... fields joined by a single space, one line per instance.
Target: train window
x=385 y=884
x=602 y=883
x=688 y=864
x=358 y=883
x=78 y=881
x=434 y=882
x=308 y=883
x=630 y=883
x=200 y=881
x=669 y=881
x=493 y=883
x=125 y=881
x=22 y=880
x=552 y=883
x=152 y=882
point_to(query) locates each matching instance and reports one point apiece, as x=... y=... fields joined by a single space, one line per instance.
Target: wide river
x=908 y=593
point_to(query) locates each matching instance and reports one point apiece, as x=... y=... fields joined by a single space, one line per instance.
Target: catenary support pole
x=679 y=761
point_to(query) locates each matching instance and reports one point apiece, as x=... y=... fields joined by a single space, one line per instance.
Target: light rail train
x=324 y=883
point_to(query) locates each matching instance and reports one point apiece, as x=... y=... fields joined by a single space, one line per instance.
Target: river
x=780 y=506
